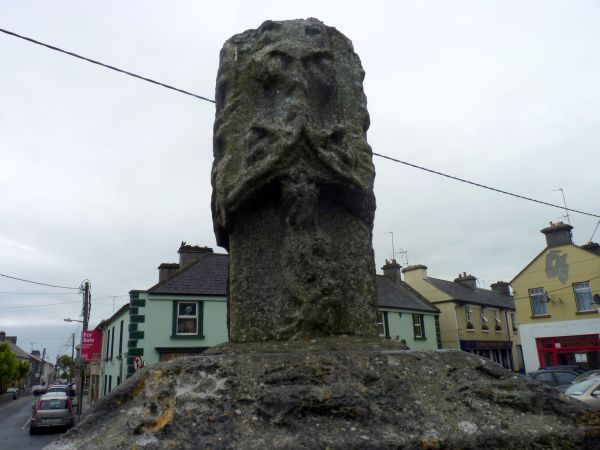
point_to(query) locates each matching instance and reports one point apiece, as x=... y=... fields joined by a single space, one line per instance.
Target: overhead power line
x=60 y=303
x=484 y=186
x=40 y=293
x=37 y=282
x=108 y=66
x=376 y=154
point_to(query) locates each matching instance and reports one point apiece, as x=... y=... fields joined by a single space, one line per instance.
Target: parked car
x=572 y=367
x=39 y=389
x=52 y=411
x=556 y=378
x=584 y=376
x=14 y=391
x=58 y=388
x=586 y=391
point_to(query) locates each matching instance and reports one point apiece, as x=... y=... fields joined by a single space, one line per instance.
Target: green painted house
x=404 y=314
x=184 y=313
x=113 y=359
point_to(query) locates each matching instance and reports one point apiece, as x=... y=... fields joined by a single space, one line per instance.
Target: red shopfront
x=583 y=350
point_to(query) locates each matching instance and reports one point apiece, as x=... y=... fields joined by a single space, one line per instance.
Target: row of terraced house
x=551 y=317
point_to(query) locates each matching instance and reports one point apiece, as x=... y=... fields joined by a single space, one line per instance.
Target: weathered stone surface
x=325 y=394
x=292 y=183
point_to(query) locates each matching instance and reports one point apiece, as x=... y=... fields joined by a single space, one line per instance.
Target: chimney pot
x=391 y=270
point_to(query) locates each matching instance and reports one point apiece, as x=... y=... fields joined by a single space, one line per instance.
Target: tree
x=9 y=366
x=65 y=367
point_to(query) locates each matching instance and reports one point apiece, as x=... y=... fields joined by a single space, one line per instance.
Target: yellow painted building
x=556 y=298
x=476 y=320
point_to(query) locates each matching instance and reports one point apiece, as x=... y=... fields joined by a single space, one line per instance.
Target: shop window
x=583 y=296
x=539 y=301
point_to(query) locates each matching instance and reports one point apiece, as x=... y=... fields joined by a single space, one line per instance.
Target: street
x=14 y=426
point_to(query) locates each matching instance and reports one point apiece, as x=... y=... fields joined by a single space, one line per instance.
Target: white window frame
x=484 y=320
x=419 y=324
x=497 y=320
x=469 y=317
x=381 y=325
x=183 y=316
x=539 y=299
x=513 y=320
x=583 y=294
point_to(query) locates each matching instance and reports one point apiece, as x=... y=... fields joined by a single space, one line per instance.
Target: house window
x=539 y=301
x=187 y=318
x=513 y=320
x=583 y=296
x=497 y=321
x=469 y=317
x=381 y=325
x=112 y=343
x=121 y=339
x=418 y=326
x=484 y=320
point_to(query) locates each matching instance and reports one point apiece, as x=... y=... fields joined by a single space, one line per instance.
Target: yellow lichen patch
x=592 y=419
x=137 y=389
x=429 y=443
x=362 y=388
x=164 y=419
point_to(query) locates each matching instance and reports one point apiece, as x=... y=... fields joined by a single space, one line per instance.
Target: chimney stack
x=467 y=280
x=501 y=287
x=391 y=270
x=414 y=273
x=191 y=253
x=558 y=234
x=592 y=247
x=2 y=335
x=165 y=270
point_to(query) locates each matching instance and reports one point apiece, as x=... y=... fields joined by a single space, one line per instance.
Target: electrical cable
x=484 y=186
x=37 y=282
x=595 y=229
x=108 y=66
x=60 y=303
x=376 y=154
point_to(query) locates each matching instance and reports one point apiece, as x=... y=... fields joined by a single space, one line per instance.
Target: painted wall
x=158 y=324
x=113 y=369
x=400 y=326
x=555 y=270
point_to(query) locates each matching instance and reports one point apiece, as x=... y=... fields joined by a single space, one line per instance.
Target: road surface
x=14 y=426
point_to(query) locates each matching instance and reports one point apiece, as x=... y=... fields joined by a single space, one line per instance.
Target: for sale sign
x=91 y=346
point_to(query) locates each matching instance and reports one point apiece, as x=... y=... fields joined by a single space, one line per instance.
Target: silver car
x=52 y=411
x=587 y=391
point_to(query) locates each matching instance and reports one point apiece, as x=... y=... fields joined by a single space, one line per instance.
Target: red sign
x=91 y=346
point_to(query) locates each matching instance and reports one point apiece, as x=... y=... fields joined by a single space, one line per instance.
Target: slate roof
x=21 y=354
x=474 y=296
x=206 y=276
x=402 y=296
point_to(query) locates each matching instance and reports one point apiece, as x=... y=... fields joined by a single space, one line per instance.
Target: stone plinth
x=342 y=393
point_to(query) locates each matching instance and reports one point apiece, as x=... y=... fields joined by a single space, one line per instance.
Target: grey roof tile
x=476 y=296
x=207 y=276
x=401 y=295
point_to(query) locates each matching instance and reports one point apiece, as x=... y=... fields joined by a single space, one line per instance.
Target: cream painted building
x=476 y=320
x=556 y=298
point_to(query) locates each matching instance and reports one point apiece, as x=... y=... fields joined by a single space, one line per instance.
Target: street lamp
x=68 y=319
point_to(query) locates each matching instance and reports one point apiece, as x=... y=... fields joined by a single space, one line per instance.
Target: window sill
x=595 y=311
x=541 y=316
x=472 y=330
x=420 y=338
x=485 y=331
x=187 y=336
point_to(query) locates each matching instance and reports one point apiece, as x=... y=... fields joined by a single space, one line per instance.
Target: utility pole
x=86 y=318
x=42 y=367
x=72 y=361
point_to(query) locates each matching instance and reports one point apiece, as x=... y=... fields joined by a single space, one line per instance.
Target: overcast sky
x=102 y=175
